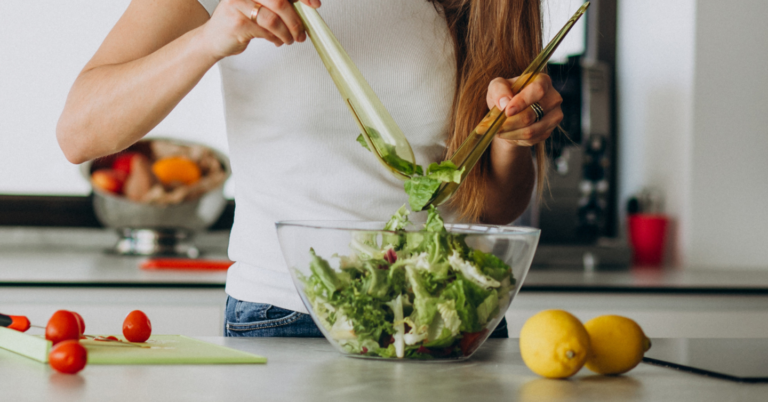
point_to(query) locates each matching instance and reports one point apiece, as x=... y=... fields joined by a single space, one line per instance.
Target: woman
x=291 y=137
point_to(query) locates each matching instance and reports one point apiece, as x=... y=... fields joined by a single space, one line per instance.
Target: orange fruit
x=176 y=169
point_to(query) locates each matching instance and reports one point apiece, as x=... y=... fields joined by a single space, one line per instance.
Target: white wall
x=729 y=166
x=693 y=123
x=43 y=46
x=554 y=14
x=654 y=79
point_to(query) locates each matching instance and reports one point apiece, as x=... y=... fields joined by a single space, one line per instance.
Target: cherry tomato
x=62 y=326
x=80 y=323
x=136 y=327
x=123 y=162
x=470 y=341
x=68 y=357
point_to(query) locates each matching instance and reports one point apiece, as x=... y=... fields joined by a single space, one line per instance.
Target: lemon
x=554 y=344
x=618 y=344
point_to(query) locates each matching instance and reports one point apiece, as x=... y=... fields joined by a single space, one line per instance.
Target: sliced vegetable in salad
x=409 y=294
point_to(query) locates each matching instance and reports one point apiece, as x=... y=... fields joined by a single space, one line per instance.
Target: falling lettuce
x=420 y=187
x=409 y=294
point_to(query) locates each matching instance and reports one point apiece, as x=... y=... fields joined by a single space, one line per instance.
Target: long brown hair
x=492 y=38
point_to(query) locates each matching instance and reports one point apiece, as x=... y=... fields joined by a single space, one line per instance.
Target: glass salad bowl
x=430 y=293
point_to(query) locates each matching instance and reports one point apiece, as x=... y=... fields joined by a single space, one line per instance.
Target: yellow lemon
x=554 y=344
x=618 y=344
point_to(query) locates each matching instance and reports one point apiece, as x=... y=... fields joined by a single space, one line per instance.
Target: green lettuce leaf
x=376 y=282
x=471 y=272
x=388 y=352
x=487 y=308
x=389 y=154
x=490 y=265
x=424 y=305
x=445 y=171
x=360 y=139
x=434 y=222
x=420 y=190
x=322 y=270
x=399 y=220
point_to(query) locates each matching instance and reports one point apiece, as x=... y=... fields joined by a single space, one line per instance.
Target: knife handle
x=186 y=264
x=17 y=322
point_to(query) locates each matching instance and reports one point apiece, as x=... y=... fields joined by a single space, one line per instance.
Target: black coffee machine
x=575 y=207
x=578 y=209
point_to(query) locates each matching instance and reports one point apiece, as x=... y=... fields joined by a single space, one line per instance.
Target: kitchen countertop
x=34 y=266
x=77 y=268
x=310 y=369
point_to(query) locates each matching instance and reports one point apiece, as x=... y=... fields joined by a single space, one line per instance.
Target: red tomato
x=62 y=326
x=136 y=327
x=123 y=162
x=470 y=341
x=68 y=357
x=80 y=323
x=109 y=180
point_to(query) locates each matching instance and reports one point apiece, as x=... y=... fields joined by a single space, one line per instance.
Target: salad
x=409 y=294
x=420 y=186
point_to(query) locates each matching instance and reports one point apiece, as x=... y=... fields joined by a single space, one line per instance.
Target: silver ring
x=538 y=110
x=255 y=12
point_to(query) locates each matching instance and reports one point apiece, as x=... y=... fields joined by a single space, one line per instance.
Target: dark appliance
x=575 y=206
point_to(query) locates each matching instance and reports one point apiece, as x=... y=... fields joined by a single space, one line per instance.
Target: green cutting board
x=162 y=349
x=168 y=349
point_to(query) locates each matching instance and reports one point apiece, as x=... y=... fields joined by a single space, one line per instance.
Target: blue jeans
x=265 y=320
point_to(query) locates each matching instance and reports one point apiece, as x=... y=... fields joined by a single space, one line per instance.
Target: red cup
x=648 y=234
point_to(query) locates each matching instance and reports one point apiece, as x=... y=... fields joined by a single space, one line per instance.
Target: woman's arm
x=156 y=53
x=511 y=179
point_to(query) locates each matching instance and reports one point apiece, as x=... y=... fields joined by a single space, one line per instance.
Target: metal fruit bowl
x=354 y=298
x=148 y=229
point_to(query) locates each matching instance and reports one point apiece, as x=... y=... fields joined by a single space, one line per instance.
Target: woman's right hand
x=230 y=28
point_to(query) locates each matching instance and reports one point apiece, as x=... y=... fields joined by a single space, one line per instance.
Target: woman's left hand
x=521 y=127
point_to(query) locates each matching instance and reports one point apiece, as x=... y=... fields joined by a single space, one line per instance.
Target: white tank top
x=292 y=139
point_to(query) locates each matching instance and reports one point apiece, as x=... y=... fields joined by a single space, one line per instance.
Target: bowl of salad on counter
x=398 y=290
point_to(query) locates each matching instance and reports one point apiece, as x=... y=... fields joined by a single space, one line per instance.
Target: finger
x=271 y=21
x=535 y=133
x=259 y=32
x=287 y=17
x=499 y=93
x=532 y=93
x=525 y=118
x=312 y=3
x=252 y=28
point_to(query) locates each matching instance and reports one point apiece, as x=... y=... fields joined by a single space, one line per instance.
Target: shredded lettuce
x=421 y=186
x=407 y=294
x=421 y=189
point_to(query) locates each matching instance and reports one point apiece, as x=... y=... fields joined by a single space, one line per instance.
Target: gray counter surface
x=310 y=369
x=32 y=266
